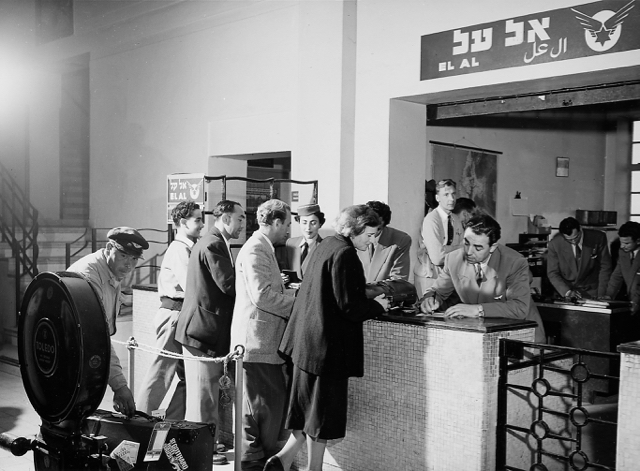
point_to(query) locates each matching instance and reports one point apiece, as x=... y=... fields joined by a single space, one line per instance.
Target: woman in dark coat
x=324 y=338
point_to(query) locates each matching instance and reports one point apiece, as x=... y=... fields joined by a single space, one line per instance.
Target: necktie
x=578 y=255
x=479 y=274
x=449 y=230
x=632 y=256
x=303 y=252
x=233 y=264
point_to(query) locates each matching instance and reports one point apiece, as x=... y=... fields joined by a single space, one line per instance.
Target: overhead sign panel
x=585 y=30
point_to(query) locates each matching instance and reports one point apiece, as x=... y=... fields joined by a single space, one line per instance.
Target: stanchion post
x=237 y=438
x=131 y=362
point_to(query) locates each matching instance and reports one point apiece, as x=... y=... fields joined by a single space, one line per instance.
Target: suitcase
x=188 y=445
x=400 y=293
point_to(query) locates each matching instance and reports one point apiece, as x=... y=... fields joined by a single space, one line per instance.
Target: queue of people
x=303 y=341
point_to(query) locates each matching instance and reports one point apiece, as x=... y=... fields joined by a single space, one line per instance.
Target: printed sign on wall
x=586 y=30
x=184 y=187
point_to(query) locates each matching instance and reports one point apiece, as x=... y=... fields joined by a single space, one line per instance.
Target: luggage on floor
x=187 y=445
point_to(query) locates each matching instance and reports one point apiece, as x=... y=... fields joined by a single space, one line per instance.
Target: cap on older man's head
x=308 y=209
x=128 y=240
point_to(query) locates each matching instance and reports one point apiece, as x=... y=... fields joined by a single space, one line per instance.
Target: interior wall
x=528 y=165
x=325 y=114
x=16 y=37
x=408 y=154
x=165 y=107
x=617 y=182
x=44 y=148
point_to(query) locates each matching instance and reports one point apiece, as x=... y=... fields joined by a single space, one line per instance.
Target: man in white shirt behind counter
x=441 y=233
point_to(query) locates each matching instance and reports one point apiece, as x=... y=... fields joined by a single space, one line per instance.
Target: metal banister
x=19 y=227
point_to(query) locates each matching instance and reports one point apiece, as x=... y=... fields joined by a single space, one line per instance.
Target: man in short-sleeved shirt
x=172 y=281
x=105 y=270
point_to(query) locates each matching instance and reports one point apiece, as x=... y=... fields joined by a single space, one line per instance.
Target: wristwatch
x=480 y=310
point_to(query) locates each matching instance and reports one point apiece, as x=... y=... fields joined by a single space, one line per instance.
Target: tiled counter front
x=428 y=400
x=628 y=449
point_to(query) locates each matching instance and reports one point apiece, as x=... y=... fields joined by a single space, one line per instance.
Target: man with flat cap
x=105 y=270
x=295 y=255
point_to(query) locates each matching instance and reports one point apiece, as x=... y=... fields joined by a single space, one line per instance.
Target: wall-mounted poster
x=475 y=172
x=562 y=166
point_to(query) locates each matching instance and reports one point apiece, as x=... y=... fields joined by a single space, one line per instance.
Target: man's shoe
x=273 y=464
x=253 y=465
x=219 y=458
x=221 y=448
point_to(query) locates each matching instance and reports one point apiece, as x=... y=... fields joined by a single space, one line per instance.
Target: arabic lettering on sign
x=482 y=40
x=543 y=37
x=543 y=48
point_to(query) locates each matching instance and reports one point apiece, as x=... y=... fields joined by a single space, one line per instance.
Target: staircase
x=53 y=236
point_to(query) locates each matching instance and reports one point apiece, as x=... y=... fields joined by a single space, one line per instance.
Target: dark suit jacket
x=595 y=265
x=629 y=273
x=391 y=260
x=324 y=333
x=205 y=319
x=505 y=293
x=289 y=255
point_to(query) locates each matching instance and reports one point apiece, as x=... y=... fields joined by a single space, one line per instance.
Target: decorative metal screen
x=545 y=409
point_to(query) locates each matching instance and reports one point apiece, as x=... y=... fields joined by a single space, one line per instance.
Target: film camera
x=65 y=352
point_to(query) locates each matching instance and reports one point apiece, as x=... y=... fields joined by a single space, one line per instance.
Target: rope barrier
x=132 y=344
x=236 y=355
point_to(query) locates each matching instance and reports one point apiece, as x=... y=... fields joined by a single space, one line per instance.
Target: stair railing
x=19 y=227
x=69 y=246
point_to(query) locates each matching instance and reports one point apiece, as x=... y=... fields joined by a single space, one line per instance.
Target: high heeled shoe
x=273 y=464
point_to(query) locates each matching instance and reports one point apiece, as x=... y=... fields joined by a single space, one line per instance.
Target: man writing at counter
x=628 y=265
x=578 y=261
x=491 y=279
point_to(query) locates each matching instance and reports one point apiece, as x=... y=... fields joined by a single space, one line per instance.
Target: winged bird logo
x=603 y=29
x=194 y=189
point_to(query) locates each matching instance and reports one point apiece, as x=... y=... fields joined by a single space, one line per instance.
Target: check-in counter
x=428 y=399
x=592 y=328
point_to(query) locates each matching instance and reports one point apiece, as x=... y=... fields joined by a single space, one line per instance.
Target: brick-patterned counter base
x=628 y=449
x=428 y=400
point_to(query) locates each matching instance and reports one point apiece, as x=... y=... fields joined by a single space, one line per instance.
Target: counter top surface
x=487 y=324
x=616 y=308
x=483 y=325
x=150 y=287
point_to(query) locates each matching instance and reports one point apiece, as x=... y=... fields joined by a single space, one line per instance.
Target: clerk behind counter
x=491 y=279
x=578 y=261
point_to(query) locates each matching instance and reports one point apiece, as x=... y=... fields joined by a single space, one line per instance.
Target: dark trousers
x=265 y=399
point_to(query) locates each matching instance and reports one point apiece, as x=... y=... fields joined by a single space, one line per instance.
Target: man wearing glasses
x=578 y=261
x=105 y=270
